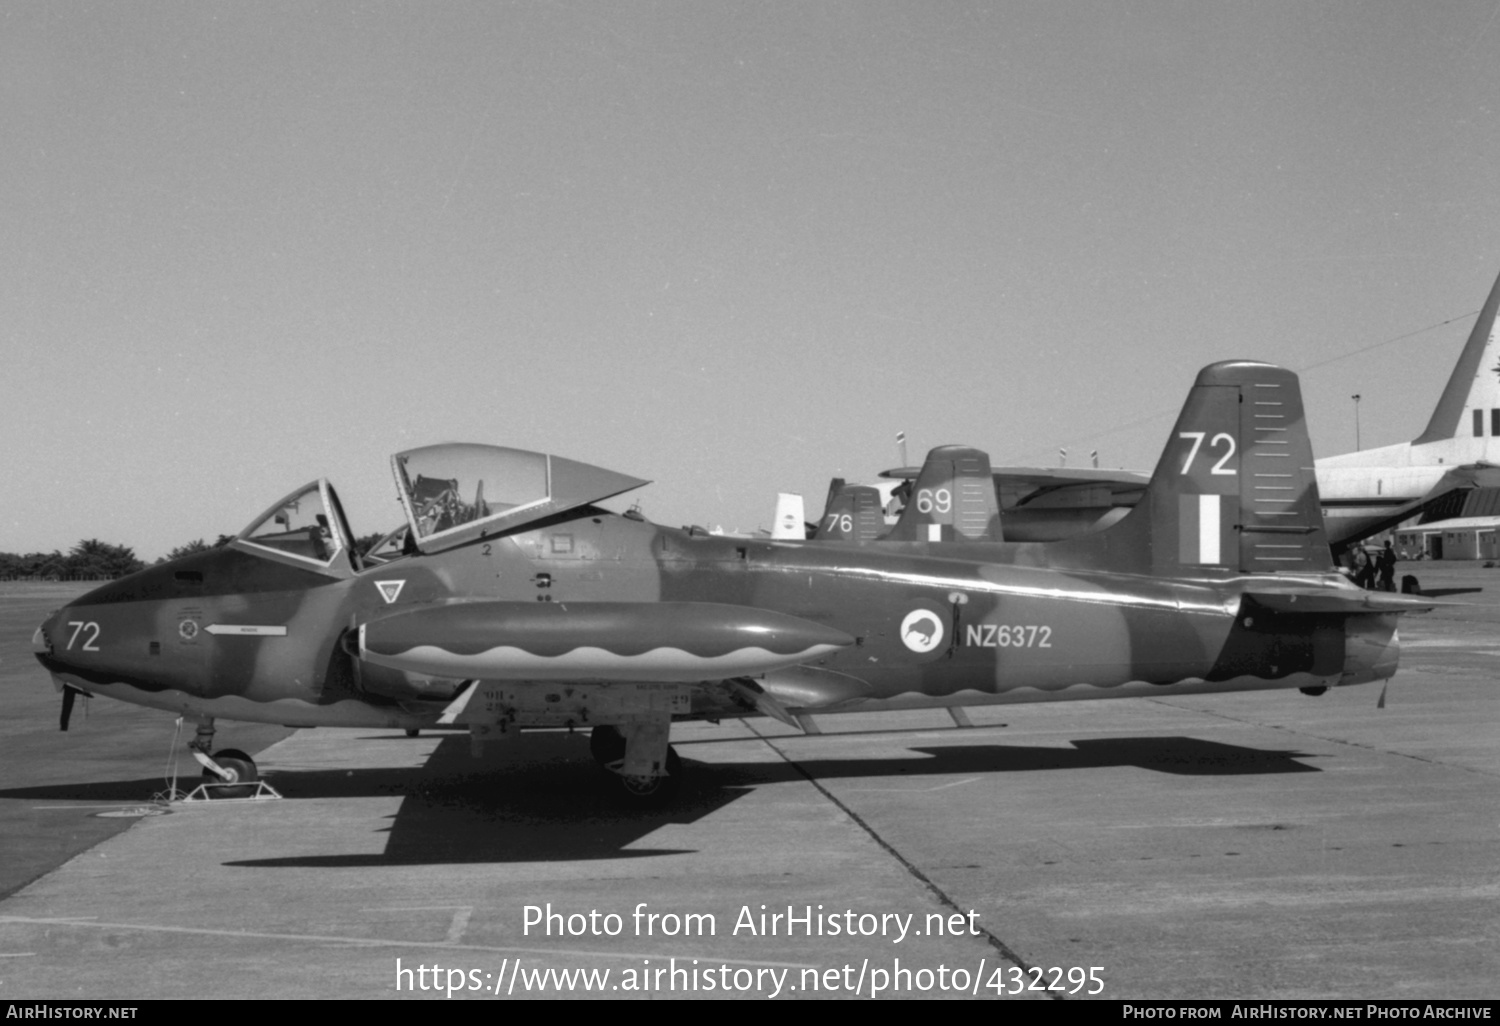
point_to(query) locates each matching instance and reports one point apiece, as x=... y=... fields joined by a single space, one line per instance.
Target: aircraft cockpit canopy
x=307 y=526
x=457 y=492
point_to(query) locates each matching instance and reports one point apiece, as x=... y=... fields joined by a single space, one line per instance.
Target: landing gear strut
x=609 y=745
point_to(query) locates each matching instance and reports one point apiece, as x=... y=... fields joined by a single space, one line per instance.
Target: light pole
x=1356 y=422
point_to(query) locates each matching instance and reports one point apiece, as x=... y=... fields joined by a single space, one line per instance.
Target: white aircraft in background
x=1453 y=464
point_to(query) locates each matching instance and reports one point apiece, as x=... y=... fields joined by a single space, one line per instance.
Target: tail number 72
x=1197 y=437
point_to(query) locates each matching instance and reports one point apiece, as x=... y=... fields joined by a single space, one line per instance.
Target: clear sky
x=731 y=247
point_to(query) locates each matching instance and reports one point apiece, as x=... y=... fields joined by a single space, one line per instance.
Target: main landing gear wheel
x=607 y=746
x=241 y=766
x=653 y=792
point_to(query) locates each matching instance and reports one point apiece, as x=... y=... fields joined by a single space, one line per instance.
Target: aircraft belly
x=1026 y=694
x=289 y=712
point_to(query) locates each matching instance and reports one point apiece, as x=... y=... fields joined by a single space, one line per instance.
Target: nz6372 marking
x=991 y=635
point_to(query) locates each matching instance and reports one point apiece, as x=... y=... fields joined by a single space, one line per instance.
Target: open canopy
x=456 y=492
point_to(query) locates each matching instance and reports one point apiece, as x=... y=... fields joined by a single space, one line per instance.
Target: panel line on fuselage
x=972 y=584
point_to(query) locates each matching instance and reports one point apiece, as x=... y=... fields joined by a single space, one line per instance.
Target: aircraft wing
x=1037 y=478
x=1044 y=477
x=1041 y=504
x=1020 y=486
x=1352 y=520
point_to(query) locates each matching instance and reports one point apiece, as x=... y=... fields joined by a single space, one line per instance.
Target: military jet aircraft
x=512 y=601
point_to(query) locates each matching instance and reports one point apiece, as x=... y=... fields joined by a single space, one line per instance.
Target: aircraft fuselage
x=229 y=633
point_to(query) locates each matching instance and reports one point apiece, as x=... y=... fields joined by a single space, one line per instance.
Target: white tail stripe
x=1208 y=529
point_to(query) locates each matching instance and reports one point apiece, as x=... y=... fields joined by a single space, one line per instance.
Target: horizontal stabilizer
x=1324 y=600
x=594 y=641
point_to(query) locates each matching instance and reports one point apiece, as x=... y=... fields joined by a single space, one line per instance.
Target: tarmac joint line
x=941 y=895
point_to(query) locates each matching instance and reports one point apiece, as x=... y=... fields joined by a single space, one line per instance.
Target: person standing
x=1387 y=564
x=1363 y=571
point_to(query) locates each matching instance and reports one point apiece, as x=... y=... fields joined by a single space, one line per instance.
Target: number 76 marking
x=1197 y=437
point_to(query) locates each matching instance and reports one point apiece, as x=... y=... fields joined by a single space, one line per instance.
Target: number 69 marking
x=80 y=626
x=940 y=500
x=1197 y=437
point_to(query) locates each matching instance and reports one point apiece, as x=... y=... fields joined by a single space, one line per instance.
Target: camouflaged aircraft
x=511 y=601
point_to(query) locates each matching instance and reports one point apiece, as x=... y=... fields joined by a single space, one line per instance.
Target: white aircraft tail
x=1470 y=404
x=789 y=524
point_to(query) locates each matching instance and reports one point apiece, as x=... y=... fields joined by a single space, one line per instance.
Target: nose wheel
x=237 y=776
x=227 y=773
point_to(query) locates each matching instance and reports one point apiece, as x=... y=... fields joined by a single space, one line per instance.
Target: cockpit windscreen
x=300 y=525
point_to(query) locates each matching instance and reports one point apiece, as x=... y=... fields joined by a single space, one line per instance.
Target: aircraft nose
x=45 y=651
x=49 y=640
x=41 y=638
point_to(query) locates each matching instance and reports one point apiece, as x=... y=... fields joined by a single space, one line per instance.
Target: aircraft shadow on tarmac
x=550 y=804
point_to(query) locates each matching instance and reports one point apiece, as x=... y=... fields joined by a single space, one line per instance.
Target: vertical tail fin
x=789 y=523
x=1235 y=489
x=853 y=514
x=953 y=499
x=1474 y=386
